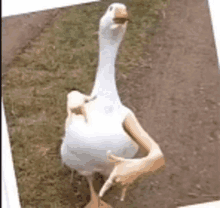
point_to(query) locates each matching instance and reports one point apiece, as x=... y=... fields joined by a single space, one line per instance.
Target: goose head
x=112 y=27
x=113 y=24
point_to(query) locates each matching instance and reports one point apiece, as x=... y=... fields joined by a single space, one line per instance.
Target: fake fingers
x=113 y=176
x=124 y=172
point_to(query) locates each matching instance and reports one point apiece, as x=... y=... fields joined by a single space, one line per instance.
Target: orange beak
x=121 y=13
x=121 y=16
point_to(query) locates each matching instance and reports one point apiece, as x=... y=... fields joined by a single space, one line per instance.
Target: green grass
x=64 y=57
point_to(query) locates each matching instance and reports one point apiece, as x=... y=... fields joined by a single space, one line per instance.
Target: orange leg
x=95 y=201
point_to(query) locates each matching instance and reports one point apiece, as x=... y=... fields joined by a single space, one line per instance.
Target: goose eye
x=110 y=9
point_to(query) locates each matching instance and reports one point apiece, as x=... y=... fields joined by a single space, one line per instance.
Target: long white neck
x=105 y=83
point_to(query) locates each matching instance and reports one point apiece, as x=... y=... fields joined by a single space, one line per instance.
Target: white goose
x=100 y=122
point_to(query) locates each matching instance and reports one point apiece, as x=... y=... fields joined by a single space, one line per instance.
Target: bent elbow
x=160 y=159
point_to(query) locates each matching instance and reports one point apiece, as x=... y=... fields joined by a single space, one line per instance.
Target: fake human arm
x=76 y=106
x=127 y=170
x=135 y=130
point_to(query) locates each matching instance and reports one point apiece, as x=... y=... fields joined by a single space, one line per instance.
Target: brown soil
x=176 y=98
x=177 y=101
x=18 y=32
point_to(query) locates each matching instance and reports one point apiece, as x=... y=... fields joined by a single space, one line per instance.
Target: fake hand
x=125 y=172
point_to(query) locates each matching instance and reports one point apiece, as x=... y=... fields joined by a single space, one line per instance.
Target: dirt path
x=18 y=31
x=177 y=101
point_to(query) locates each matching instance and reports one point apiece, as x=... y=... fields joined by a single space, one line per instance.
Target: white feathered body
x=85 y=145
